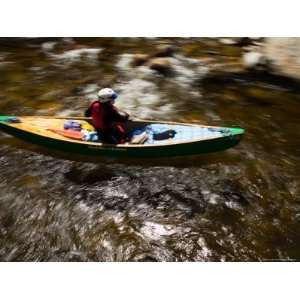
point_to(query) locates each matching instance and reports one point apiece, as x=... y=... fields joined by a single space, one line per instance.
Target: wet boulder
x=139 y=59
x=244 y=41
x=161 y=65
x=284 y=55
x=165 y=51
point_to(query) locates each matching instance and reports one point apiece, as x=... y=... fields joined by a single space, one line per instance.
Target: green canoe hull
x=167 y=150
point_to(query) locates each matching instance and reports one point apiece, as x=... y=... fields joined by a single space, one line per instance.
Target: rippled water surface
x=242 y=204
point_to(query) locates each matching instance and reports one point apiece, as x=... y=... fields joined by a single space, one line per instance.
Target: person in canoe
x=106 y=118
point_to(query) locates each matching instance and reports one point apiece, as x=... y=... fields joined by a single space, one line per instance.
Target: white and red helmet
x=106 y=95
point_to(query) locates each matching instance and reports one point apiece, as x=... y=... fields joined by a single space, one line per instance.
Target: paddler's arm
x=119 y=116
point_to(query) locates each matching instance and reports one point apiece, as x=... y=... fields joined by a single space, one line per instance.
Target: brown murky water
x=242 y=204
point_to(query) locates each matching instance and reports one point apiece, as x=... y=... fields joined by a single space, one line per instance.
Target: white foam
x=67 y=112
x=77 y=54
x=48 y=46
x=110 y=193
x=124 y=62
x=213 y=199
x=139 y=96
x=90 y=91
x=204 y=252
x=155 y=231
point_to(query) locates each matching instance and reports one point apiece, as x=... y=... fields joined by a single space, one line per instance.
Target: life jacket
x=88 y=112
x=104 y=115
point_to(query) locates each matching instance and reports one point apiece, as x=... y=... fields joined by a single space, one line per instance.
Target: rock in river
x=161 y=65
x=139 y=59
x=284 y=54
x=165 y=51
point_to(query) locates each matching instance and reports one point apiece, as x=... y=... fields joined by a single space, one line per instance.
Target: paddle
x=68 y=133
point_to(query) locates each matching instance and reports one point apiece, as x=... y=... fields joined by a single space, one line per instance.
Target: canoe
x=191 y=138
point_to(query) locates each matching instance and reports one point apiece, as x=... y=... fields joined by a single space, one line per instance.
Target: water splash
x=75 y=55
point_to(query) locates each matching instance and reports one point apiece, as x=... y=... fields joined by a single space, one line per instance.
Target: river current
x=242 y=204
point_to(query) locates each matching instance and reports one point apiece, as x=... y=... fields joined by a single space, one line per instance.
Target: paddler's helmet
x=106 y=95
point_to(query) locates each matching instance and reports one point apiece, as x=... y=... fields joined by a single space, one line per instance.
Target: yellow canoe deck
x=41 y=126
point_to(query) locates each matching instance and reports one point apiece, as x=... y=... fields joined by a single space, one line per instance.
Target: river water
x=242 y=204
